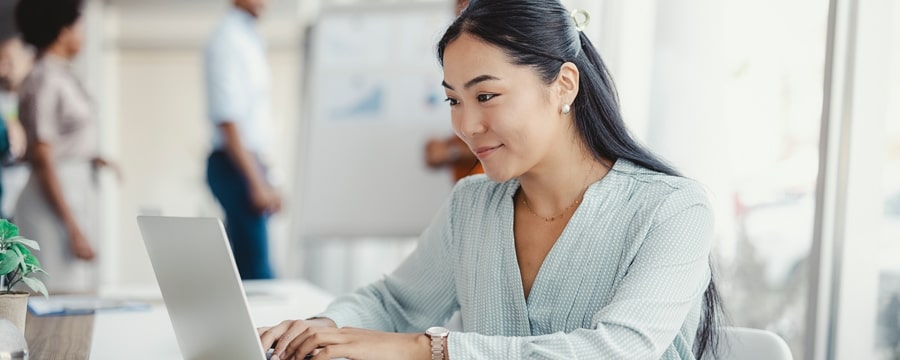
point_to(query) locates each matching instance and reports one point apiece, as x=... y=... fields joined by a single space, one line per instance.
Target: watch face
x=437 y=331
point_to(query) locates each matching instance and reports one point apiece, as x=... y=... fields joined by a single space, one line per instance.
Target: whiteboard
x=373 y=99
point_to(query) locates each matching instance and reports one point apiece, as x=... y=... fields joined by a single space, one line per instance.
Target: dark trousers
x=247 y=229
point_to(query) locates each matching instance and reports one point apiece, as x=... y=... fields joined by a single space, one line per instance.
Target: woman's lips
x=485 y=151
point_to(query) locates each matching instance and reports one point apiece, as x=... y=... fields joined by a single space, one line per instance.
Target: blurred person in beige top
x=58 y=206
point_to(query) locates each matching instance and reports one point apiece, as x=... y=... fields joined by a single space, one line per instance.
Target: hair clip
x=581 y=18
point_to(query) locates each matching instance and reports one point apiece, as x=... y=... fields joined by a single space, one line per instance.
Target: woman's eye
x=451 y=101
x=485 y=97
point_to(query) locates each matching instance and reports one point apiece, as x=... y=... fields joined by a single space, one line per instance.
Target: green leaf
x=22 y=249
x=33 y=261
x=35 y=285
x=8 y=262
x=16 y=251
x=27 y=242
x=8 y=229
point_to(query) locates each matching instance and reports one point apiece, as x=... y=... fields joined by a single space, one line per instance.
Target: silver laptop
x=200 y=285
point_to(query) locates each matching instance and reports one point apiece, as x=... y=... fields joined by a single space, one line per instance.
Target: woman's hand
x=79 y=245
x=99 y=163
x=295 y=339
x=281 y=335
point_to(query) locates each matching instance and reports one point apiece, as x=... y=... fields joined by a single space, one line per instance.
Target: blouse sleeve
x=39 y=112
x=667 y=278
x=420 y=293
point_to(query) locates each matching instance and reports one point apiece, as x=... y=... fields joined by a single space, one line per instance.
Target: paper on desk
x=56 y=305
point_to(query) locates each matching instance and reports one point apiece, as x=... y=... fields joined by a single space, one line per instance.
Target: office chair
x=752 y=344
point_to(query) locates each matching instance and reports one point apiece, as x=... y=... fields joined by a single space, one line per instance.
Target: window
x=731 y=93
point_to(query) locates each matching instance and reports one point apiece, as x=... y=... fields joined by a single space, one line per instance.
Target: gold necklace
x=552 y=218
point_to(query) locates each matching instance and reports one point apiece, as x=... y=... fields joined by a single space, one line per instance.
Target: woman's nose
x=469 y=124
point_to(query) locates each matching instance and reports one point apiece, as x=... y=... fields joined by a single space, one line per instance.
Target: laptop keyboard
x=271 y=352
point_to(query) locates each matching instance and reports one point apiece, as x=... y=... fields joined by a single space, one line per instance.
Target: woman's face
x=72 y=38
x=504 y=112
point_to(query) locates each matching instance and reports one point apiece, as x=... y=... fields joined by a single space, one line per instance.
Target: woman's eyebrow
x=473 y=82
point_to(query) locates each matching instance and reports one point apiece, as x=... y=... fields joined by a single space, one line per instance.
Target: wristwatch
x=437 y=335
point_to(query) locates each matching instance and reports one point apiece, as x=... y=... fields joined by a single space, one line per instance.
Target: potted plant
x=17 y=265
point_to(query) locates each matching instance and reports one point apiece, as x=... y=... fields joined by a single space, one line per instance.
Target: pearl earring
x=566 y=109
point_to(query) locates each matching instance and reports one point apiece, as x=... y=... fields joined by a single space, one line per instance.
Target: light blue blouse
x=624 y=280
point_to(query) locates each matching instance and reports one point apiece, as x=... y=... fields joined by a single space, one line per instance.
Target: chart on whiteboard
x=374 y=102
x=359 y=97
x=364 y=74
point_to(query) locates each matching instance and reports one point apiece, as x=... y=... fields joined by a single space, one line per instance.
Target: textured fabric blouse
x=55 y=109
x=624 y=280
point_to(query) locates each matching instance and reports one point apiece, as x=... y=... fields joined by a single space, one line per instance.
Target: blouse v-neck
x=593 y=198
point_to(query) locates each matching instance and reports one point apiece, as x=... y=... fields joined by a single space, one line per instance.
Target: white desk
x=149 y=334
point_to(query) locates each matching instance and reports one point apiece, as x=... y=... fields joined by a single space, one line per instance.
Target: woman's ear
x=567 y=82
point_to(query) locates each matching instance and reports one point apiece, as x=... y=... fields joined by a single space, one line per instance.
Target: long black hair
x=542 y=34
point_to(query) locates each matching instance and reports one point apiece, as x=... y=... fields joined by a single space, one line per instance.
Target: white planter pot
x=13 y=307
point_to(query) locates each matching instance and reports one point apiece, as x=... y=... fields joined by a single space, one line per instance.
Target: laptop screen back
x=204 y=296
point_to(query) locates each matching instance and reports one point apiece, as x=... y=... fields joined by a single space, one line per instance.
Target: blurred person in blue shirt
x=237 y=91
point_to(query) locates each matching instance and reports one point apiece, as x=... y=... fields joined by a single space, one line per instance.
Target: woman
x=57 y=207
x=578 y=242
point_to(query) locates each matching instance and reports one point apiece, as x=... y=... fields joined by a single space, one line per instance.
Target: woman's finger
x=297 y=332
x=337 y=351
x=316 y=338
x=273 y=334
x=268 y=335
